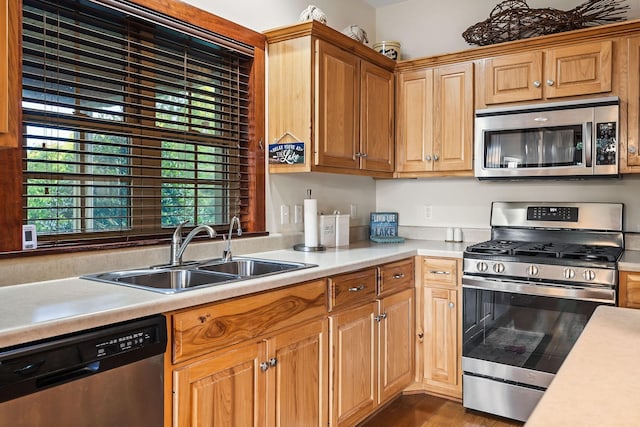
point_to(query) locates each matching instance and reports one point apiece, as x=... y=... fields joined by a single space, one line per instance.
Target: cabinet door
x=414 y=137
x=633 y=106
x=511 y=78
x=578 y=70
x=377 y=116
x=396 y=344
x=629 y=290
x=353 y=365
x=4 y=67
x=337 y=107
x=299 y=377
x=453 y=112
x=441 y=338
x=225 y=390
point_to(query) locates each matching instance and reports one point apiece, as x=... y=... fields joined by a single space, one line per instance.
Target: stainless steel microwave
x=572 y=139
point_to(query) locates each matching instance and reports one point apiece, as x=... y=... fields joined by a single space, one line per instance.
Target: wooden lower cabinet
x=629 y=289
x=280 y=381
x=223 y=390
x=396 y=332
x=371 y=356
x=439 y=342
x=353 y=364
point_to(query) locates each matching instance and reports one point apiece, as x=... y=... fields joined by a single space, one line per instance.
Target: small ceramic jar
x=388 y=48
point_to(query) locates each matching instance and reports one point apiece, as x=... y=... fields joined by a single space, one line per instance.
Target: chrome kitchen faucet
x=178 y=246
x=226 y=253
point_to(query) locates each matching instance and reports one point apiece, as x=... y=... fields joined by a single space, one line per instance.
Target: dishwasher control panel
x=126 y=341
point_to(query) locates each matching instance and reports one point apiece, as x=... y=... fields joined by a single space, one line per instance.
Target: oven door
x=515 y=337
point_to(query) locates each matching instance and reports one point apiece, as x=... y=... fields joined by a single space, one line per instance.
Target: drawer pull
x=439 y=272
x=356 y=288
x=398 y=276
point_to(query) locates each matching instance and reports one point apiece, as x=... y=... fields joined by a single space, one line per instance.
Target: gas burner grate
x=592 y=253
x=541 y=249
x=494 y=247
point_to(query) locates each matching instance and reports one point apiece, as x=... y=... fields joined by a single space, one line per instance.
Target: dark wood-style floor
x=419 y=410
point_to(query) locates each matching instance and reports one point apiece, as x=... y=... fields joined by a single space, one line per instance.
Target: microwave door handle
x=588 y=144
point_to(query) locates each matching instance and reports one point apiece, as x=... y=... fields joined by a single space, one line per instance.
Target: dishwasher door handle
x=69 y=375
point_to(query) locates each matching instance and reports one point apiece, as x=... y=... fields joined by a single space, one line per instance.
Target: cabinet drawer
x=440 y=271
x=352 y=288
x=396 y=276
x=204 y=329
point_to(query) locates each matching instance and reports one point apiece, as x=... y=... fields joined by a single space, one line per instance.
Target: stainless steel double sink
x=214 y=272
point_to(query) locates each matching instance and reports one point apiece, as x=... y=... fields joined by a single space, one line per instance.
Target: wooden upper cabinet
x=574 y=70
x=338 y=107
x=377 y=148
x=435 y=121
x=453 y=112
x=630 y=146
x=414 y=136
x=4 y=66
x=335 y=96
x=511 y=78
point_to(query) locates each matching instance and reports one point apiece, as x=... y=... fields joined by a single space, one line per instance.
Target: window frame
x=11 y=186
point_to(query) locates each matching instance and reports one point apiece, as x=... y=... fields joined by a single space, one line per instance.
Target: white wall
x=261 y=15
x=427 y=28
x=466 y=202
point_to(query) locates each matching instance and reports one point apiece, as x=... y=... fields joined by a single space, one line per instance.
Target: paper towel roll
x=310 y=223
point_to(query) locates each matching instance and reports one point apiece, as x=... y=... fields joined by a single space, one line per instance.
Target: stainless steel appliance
x=110 y=376
x=564 y=139
x=527 y=295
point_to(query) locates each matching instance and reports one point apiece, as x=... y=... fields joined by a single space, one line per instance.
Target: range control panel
x=125 y=342
x=552 y=213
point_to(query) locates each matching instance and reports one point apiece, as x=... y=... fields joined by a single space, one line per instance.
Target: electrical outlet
x=284 y=214
x=428 y=211
x=297 y=214
x=353 y=211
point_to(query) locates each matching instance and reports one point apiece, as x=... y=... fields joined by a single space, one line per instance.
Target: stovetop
x=545 y=251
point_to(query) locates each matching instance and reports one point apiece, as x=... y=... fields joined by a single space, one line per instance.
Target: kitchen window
x=133 y=122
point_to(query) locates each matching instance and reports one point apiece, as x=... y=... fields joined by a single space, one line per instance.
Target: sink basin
x=167 y=281
x=250 y=267
x=207 y=273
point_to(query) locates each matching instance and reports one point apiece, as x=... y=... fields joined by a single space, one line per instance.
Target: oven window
x=534 y=148
x=526 y=331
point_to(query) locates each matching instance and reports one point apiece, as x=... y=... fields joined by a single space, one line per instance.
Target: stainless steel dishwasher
x=104 y=377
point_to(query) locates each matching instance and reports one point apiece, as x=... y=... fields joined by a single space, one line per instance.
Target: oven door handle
x=602 y=295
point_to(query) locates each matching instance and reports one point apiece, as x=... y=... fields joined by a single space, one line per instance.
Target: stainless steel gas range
x=527 y=295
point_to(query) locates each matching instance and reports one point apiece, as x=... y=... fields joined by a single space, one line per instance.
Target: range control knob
x=533 y=270
x=569 y=273
x=589 y=275
x=482 y=266
x=498 y=267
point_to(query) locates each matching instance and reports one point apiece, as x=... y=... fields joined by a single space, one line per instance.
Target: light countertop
x=630 y=261
x=599 y=382
x=45 y=309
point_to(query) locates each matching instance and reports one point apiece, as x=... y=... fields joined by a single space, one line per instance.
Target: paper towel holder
x=302 y=248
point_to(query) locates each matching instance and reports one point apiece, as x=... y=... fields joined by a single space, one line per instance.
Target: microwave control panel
x=606 y=143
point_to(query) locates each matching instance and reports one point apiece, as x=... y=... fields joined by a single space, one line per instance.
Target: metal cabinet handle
x=550 y=82
x=380 y=317
x=435 y=157
x=427 y=158
x=632 y=149
x=264 y=366
x=398 y=276
x=363 y=154
x=358 y=154
x=536 y=83
x=451 y=305
x=273 y=362
x=356 y=288
x=439 y=272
